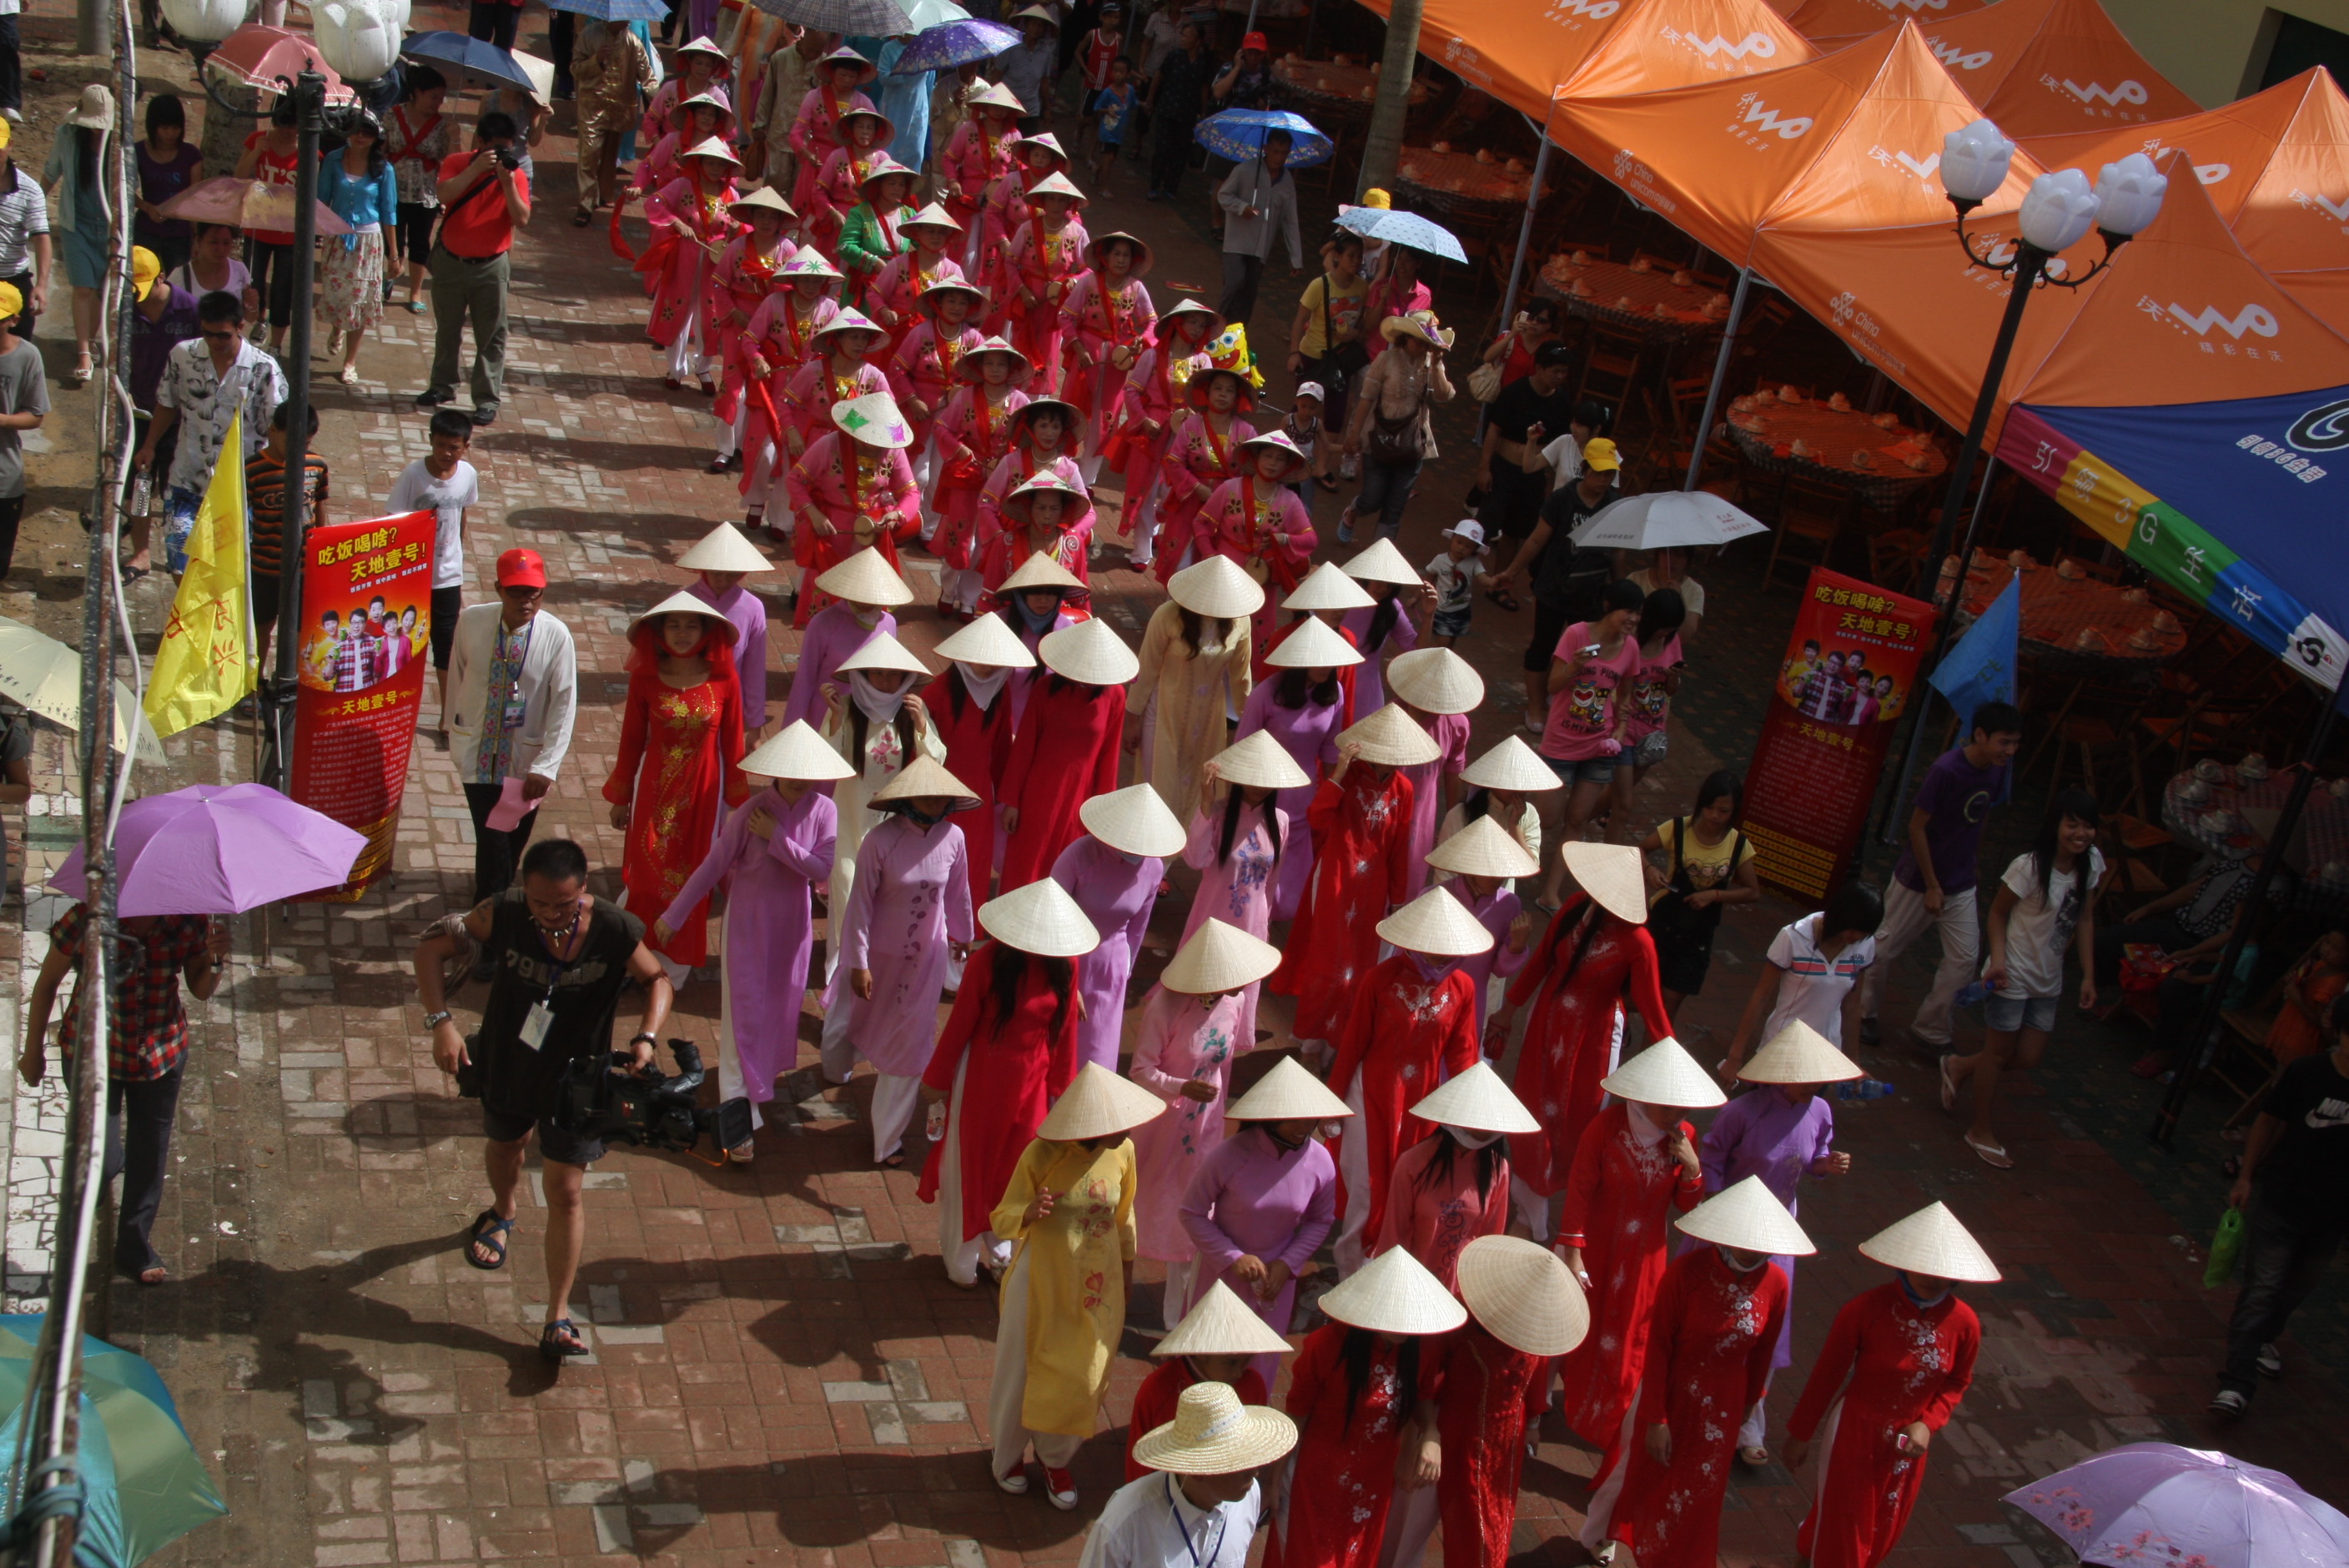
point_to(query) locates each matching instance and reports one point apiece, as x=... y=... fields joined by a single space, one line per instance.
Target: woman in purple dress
x=1113 y=871
x=1384 y=627
x=1236 y=841
x=1302 y=706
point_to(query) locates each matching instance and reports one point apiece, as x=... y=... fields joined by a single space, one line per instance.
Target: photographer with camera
x=484 y=197
x=560 y=957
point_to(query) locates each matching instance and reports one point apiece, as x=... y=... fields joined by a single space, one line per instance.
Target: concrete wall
x=2208 y=47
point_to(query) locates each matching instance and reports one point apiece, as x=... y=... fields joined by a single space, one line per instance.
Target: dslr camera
x=604 y=1098
x=507 y=157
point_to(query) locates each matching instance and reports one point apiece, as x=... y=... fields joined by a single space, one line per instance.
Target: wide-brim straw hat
x=1312 y=644
x=988 y=641
x=1258 y=762
x=1421 y=327
x=1394 y=1294
x=799 y=752
x=926 y=778
x=712 y=147
x=1393 y=738
x=1142 y=253
x=850 y=319
x=888 y=132
x=1070 y=415
x=1134 y=821
x=1383 y=563
x=1057 y=185
x=1476 y=1101
x=1328 y=588
x=867 y=578
x=874 y=420
x=1041 y=571
x=1799 y=1054
x=1484 y=848
x=1202 y=382
x=684 y=604
x=1217 y=587
x=1665 y=1074
x=1930 y=1242
x=1220 y=1324
x=1048 y=141
x=1523 y=1294
x=932 y=293
x=1435 y=680
x=1437 y=924
x=1217 y=958
x=882 y=652
x=725 y=548
x=1289 y=1092
x=1213 y=1433
x=931 y=216
x=1193 y=307
x=1513 y=766
x=767 y=198
x=1610 y=874
x=1040 y=918
x=95 y=112
x=1090 y=652
x=1748 y=1217
x=1075 y=499
x=993 y=94
x=968 y=368
x=1099 y=1104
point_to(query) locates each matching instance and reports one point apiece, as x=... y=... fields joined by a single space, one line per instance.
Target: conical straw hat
x=1476 y=1101
x=874 y=421
x=1484 y=848
x=1394 y=1294
x=1932 y=1242
x=1437 y=924
x=1523 y=1294
x=1664 y=1075
x=1041 y=571
x=810 y=264
x=684 y=604
x=1289 y=1092
x=1099 y=1104
x=992 y=94
x=1313 y=647
x=1259 y=763
x=1090 y=652
x=1057 y=185
x=1383 y=563
x=1514 y=766
x=989 y=643
x=1214 y=1434
x=1610 y=874
x=766 y=198
x=850 y=319
x=931 y=216
x=926 y=778
x=1040 y=918
x=725 y=549
x=1393 y=737
x=799 y=752
x=882 y=652
x=1218 y=957
x=1436 y=680
x=1134 y=821
x=867 y=578
x=712 y=147
x=1799 y=1054
x=1748 y=1217
x=1220 y=1324
x=1217 y=586
x=1328 y=588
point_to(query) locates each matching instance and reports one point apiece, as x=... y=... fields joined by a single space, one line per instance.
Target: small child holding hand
x=1453 y=577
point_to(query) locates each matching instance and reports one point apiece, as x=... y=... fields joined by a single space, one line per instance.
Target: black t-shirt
x=583 y=994
x=2307 y=1172
x=1518 y=409
x=1572 y=580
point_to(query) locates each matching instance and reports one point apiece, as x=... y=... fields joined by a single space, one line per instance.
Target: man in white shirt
x=446 y=484
x=514 y=684
x=1202 y=1506
x=1260 y=196
x=206 y=382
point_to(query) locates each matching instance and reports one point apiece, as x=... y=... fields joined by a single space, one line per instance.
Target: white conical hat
x=1383 y=563
x=1514 y=766
x=1134 y=821
x=1259 y=763
x=810 y=264
x=1932 y=1242
x=1289 y=1092
x=1799 y=1054
x=1220 y=1324
x=1484 y=848
x=1090 y=652
x=684 y=604
x=725 y=549
x=1437 y=924
x=931 y=216
x=882 y=652
x=1665 y=1074
x=1327 y=588
x=1523 y=1294
x=1099 y=1104
x=1040 y=570
x=987 y=642
x=766 y=198
x=1394 y=1294
x=1476 y=1101
x=874 y=420
x=1040 y=918
x=1218 y=957
x=799 y=752
x=1393 y=737
x=867 y=578
x=1748 y=1217
x=1436 y=680
x=1057 y=185
x=1313 y=645
x=1610 y=874
x=1217 y=586
x=992 y=94
x=850 y=319
x=712 y=146
x=1214 y=1434
x=926 y=778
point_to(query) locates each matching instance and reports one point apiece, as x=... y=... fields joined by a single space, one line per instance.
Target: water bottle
x=1863 y=1088
x=1973 y=993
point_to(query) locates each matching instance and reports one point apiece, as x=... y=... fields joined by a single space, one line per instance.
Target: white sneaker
x=1062 y=1486
x=1016 y=1483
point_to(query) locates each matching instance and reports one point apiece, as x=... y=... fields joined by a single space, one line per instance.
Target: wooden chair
x=2239 y=1056
x=1812 y=513
x=1895 y=557
x=1611 y=367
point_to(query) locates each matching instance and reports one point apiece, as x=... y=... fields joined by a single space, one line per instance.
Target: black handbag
x=1341 y=362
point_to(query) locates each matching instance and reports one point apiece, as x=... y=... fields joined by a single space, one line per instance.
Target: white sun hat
x=1799 y=1054
x=1394 y=1294
x=1437 y=924
x=1039 y=571
x=1313 y=645
x=1134 y=821
x=1484 y=848
x=1930 y=1242
x=867 y=578
x=1610 y=874
x=1040 y=918
x=1476 y=1101
x=1326 y=587
x=798 y=752
x=1383 y=563
x=1214 y=1434
x=875 y=418
x=684 y=604
x=1748 y=1217
x=725 y=548
x=926 y=778
x=1217 y=587
x=1393 y=737
x=1523 y=1294
x=1436 y=680
x=1289 y=1092
x=989 y=643
x=1218 y=957
x=1259 y=763
x=1099 y=1104
x=1090 y=652
x=1664 y=1075
x=1514 y=766
x=882 y=652
x=1220 y=1324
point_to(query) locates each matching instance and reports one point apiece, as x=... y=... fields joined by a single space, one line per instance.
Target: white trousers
x=895 y=1100
x=962 y=1255
x=686 y=359
x=1182 y=1284
x=731 y=1084
x=838 y=1050
x=1906 y=918
x=1412 y=1519
x=960 y=588
x=729 y=436
x=1532 y=1207
x=1008 y=1393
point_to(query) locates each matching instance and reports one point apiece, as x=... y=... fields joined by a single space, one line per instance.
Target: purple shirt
x=152 y=343
x=832 y=633
x=1117 y=895
x=1370 y=678
x=1760 y=1134
x=1253 y=1197
x=748 y=614
x=1955 y=799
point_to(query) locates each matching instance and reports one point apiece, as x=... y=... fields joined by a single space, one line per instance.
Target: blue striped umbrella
x=952 y=43
x=613 y=10
x=1238 y=134
x=1403 y=228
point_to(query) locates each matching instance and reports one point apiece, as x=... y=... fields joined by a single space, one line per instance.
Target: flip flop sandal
x=582 y=218
x=741 y=1154
x=1949 y=1083
x=1754 y=1457
x=1504 y=599
x=417 y=307
x=1993 y=1155
x=489 y=1234
x=892 y=1161
x=561 y=1341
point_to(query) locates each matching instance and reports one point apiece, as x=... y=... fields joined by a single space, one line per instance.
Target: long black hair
x=162 y=109
x=1489 y=1161
x=361 y=120
x=1590 y=923
x=1195 y=629
x=1295 y=689
x=1009 y=965
x=1663 y=612
x=1382 y=619
x=1232 y=806
x=1475 y=803
x=2067 y=803
x=857 y=728
x=1359 y=1346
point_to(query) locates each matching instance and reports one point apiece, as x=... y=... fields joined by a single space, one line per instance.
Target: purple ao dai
x=1760 y=1134
x=748 y=614
x=1496 y=912
x=1238 y=890
x=1253 y=1198
x=832 y=633
x=1369 y=675
x=911 y=897
x=1116 y=891
x=1309 y=735
x=1180 y=1038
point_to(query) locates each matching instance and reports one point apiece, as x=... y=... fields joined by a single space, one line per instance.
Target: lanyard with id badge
x=541 y=1016
x=515 y=709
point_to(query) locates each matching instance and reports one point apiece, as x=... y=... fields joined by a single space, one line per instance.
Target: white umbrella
x=2160 y=1503
x=1665 y=520
x=45 y=675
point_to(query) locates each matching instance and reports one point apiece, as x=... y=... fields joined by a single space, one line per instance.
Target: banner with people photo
x=366 y=634
x=1851 y=668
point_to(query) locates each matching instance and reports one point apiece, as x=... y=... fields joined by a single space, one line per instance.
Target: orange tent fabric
x=2043 y=67
x=1833 y=24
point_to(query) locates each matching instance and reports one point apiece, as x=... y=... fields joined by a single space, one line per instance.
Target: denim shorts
x=1590 y=770
x=1450 y=622
x=2013 y=1014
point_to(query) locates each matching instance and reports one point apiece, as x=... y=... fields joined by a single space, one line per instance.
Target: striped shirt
x=24 y=212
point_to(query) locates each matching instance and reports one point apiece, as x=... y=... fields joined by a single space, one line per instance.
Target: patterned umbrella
x=952 y=43
x=247 y=205
x=873 y=18
x=1403 y=228
x=2160 y=1503
x=613 y=10
x=1238 y=134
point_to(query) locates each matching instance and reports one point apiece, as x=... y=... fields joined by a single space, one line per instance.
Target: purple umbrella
x=215 y=849
x=952 y=43
x=2159 y=1504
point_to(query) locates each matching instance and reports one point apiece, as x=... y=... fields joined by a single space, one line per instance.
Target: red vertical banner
x=1850 y=667
x=366 y=634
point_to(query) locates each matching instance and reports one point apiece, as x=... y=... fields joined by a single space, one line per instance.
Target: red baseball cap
x=1256 y=41
x=520 y=569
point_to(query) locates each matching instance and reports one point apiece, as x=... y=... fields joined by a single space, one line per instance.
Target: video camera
x=604 y=1098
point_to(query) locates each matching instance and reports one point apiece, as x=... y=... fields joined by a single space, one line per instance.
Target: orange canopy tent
x=1832 y=24
x=2042 y=68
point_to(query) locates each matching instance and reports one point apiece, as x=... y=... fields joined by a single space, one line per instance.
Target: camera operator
x=484 y=197
x=561 y=956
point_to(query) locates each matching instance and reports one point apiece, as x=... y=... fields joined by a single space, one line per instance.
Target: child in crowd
x=444 y=480
x=1099 y=54
x=1453 y=576
x=1304 y=429
x=1112 y=111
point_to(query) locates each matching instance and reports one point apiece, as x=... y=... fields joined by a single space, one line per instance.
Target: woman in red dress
x=1043 y=440
x=696 y=210
x=972 y=710
x=1067 y=747
x=1004 y=210
x=1452 y=1186
x=1106 y=321
x=898 y=296
x=1215 y=1343
x=851 y=489
x=681 y=740
x=1046 y=259
x=1153 y=400
x=1203 y=453
x=972 y=434
x=843 y=366
x=1257 y=522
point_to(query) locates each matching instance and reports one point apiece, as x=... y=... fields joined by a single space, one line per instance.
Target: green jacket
x=862 y=250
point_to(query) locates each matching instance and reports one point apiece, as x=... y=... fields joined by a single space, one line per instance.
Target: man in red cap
x=513 y=691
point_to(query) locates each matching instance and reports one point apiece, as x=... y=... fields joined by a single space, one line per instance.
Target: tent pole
x=1888 y=831
x=1719 y=376
x=1525 y=229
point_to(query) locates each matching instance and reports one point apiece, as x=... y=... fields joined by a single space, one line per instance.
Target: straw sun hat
x=1220 y=1324
x=926 y=778
x=1393 y=738
x=1383 y=563
x=725 y=549
x=1133 y=821
x=1328 y=588
x=1040 y=918
x=1610 y=874
x=987 y=643
x=1932 y=1242
x=1258 y=762
x=798 y=752
x=1523 y=1294
x=1394 y=1294
x=684 y=604
x=1099 y=1104
x=1435 y=680
x=874 y=421
x=865 y=578
x=1476 y=1101
x=1090 y=653
x=1289 y=1092
x=1484 y=848
x=1217 y=587
x=1799 y=1054
x=1216 y=958
x=1748 y=1217
x=1313 y=647
x=1437 y=924
x=1039 y=571
x=1214 y=1434
x=1664 y=1075
x=882 y=652
x=1514 y=766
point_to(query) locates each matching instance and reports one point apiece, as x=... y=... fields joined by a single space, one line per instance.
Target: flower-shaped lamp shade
x=2128 y=195
x=2058 y=210
x=360 y=39
x=1975 y=159
x=205 y=21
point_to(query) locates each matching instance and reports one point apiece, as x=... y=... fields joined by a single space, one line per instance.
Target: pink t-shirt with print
x=1582 y=716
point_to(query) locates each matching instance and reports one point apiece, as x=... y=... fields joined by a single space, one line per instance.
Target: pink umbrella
x=2159 y=1504
x=246 y=204
x=215 y=849
x=257 y=56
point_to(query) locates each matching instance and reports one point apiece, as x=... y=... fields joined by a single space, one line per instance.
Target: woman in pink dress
x=1452 y=1186
x=842 y=368
x=702 y=118
x=701 y=67
x=1149 y=409
x=815 y=130
x=1254 y=521
x=979 y=152
x=926 y=369
x=972 y=435
x=864 y=134
x=1106 y=321
x=895 y=296
x=1203 y=453
x=1045 y=516
x=1046 y=257
x=1004 y=210
x=1043 y=440
x=696 y=212
x=765 y=355
x=749 y=272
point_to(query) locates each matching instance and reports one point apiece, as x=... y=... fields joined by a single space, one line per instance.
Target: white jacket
x=549 y=691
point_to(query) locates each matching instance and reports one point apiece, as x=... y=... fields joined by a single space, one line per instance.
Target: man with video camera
x=484 y=197
x=560 y=957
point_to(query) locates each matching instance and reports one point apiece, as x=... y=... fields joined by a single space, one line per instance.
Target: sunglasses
x=223 y=337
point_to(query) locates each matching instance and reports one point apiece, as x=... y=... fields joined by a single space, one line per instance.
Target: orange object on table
x=1645 y=300
x=2078 y=615
x=1844 y=446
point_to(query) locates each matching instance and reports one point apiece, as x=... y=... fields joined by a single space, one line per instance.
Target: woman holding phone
x=1583 y=740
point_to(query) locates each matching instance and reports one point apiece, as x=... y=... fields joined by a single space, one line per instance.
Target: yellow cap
x=146 y=266
x=12 y=300
x=1374 y=197
x=1599 y=453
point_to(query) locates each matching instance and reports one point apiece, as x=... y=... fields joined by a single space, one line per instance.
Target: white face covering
x=983 y=681
x=868 y=615
x=878 y=706
x=1646 y=1131
x=1468 y=1139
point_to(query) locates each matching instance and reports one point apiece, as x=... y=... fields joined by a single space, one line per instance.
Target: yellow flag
x=204 y=666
